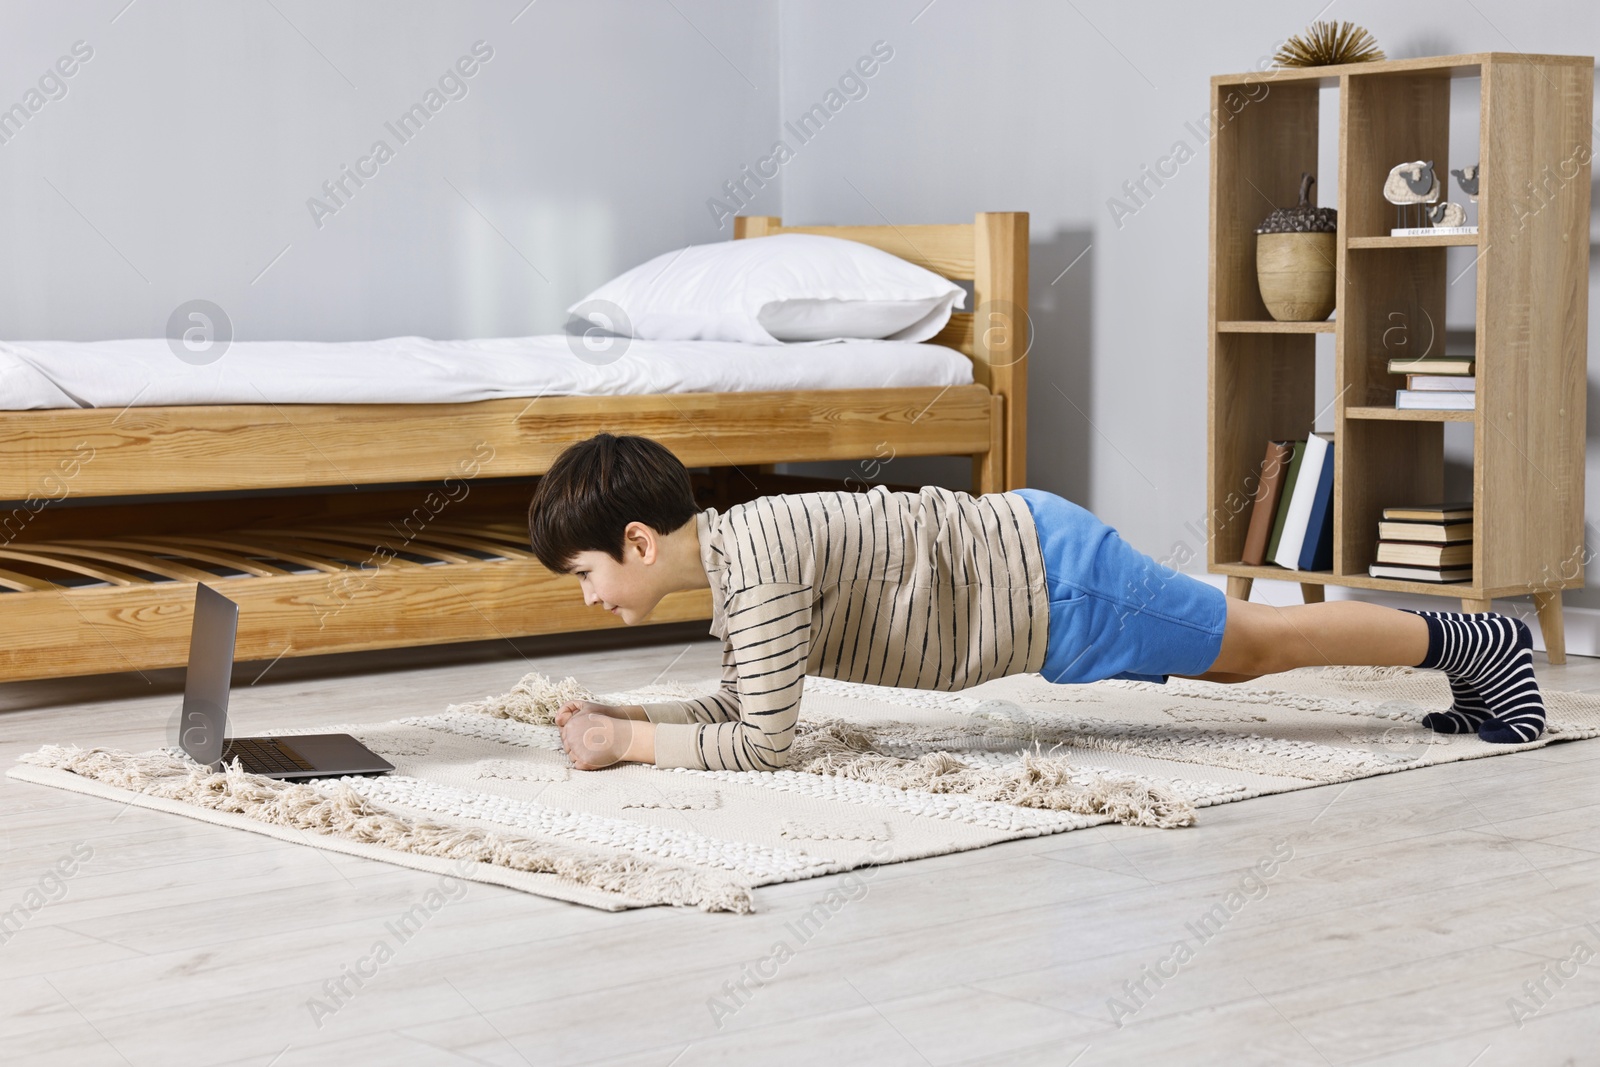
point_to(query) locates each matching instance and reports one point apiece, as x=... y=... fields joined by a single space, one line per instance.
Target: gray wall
x=180 y=161
x=1049 y=107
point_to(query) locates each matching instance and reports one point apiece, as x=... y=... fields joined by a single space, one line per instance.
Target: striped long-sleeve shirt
x=929 y=590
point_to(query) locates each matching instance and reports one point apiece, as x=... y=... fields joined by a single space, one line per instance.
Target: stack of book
x=1441 y=383
x=1291 y=516
x=1430 y=543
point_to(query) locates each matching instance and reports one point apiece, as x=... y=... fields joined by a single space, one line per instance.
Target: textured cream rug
x=484 y=791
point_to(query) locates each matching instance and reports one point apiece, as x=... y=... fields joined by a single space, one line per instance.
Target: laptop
x=203 y=733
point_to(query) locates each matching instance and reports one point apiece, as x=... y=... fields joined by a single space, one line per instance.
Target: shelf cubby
x=1530 y=311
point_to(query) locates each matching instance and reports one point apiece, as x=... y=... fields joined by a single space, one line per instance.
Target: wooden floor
x=1414 y=908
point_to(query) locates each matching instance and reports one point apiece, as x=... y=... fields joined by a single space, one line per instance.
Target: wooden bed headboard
x=991 y=252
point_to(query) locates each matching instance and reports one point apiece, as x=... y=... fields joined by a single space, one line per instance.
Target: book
x=1297 y=455
x=1450 y=511
x=1448 y=383
x=1460 y=530
x=1432 y=365
x=1413 y=555
x=1274 y=469
x=1421 y=574
x=1316 y=554
x=1298 y=511
x=1434 y=400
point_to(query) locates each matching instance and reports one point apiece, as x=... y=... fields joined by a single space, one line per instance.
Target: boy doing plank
x=942 y=590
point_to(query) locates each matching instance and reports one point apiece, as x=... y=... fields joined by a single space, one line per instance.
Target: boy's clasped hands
x=598 y=735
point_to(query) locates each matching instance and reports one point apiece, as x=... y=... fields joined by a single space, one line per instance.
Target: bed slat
x=42 y=557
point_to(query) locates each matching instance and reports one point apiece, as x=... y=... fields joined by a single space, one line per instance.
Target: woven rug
x=877 y=775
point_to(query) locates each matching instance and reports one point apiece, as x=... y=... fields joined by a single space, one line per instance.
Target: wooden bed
x=410 y=518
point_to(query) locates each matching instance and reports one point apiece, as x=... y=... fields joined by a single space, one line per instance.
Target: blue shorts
x=1114 y=611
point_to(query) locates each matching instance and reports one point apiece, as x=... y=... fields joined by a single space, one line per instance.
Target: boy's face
x=627 y=589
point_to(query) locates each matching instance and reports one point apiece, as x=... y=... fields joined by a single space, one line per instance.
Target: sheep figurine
x=1447 y=215
x=1467 y=178
x=1410 y=185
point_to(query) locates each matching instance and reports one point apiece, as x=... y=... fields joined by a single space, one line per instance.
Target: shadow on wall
x=1594 y=225
x=1060 y=296
x=1061 y=370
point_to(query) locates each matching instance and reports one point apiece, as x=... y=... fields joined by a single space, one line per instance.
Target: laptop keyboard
x=263 y=756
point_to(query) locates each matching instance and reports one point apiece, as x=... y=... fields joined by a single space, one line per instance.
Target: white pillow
x=769 y=290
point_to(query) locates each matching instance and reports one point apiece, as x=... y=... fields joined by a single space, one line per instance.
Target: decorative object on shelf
x=1467 y=178
x=1447 y=216
x=1295 y=259
x=1327 y=43
x=1408 y=187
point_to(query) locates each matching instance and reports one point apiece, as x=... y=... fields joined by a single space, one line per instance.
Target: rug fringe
x=846 y=750
x=535 y=699
x=345 y=813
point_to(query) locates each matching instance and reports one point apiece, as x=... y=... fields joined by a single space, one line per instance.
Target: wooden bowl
x=1297 y=276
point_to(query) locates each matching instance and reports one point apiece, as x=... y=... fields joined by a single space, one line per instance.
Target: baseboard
x=1582 y=624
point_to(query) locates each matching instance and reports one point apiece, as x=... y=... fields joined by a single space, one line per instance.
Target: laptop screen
x=204 y=727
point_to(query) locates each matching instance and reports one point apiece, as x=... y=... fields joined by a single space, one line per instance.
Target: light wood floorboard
x=1413 y=909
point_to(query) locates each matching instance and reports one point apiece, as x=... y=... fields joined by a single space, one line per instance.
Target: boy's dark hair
x=595 y=488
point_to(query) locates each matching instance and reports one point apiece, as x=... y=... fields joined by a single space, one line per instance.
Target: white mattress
x=415 y=370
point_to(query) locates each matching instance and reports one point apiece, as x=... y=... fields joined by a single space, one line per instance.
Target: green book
x=1286 y=496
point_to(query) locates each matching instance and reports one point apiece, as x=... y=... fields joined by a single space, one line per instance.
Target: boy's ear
x=641 y=536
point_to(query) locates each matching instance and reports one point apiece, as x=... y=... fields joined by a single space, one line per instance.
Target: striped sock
x=1488 y=655
x=1466 y=714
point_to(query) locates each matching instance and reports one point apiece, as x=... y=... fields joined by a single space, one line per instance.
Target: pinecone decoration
x=1328 y=43
x=1304 y=218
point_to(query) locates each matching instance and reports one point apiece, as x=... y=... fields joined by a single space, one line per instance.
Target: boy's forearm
x=641 y=743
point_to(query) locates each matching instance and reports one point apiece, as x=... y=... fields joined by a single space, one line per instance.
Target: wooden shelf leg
x=1313 y=592
x=1470 y=606
x=1239 y=587
x=1551 y=625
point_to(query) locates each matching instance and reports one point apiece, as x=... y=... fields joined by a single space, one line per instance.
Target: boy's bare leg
x=1486 y=658
x=1262 y=639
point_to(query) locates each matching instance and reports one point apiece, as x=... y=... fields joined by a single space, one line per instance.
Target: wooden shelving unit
x=1531 y=310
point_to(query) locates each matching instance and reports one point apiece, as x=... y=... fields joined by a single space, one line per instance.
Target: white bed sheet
x=416 y=370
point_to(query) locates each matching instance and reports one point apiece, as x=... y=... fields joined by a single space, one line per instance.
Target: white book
x=1420 y=574
x=1319 y=450
x=1445 y=383
x=1433 y=400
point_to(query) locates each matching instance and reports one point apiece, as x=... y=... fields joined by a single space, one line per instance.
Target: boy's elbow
x=766 y=759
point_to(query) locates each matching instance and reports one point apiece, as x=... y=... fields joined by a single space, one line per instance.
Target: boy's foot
x=1466 y=714
x=1492 y=654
